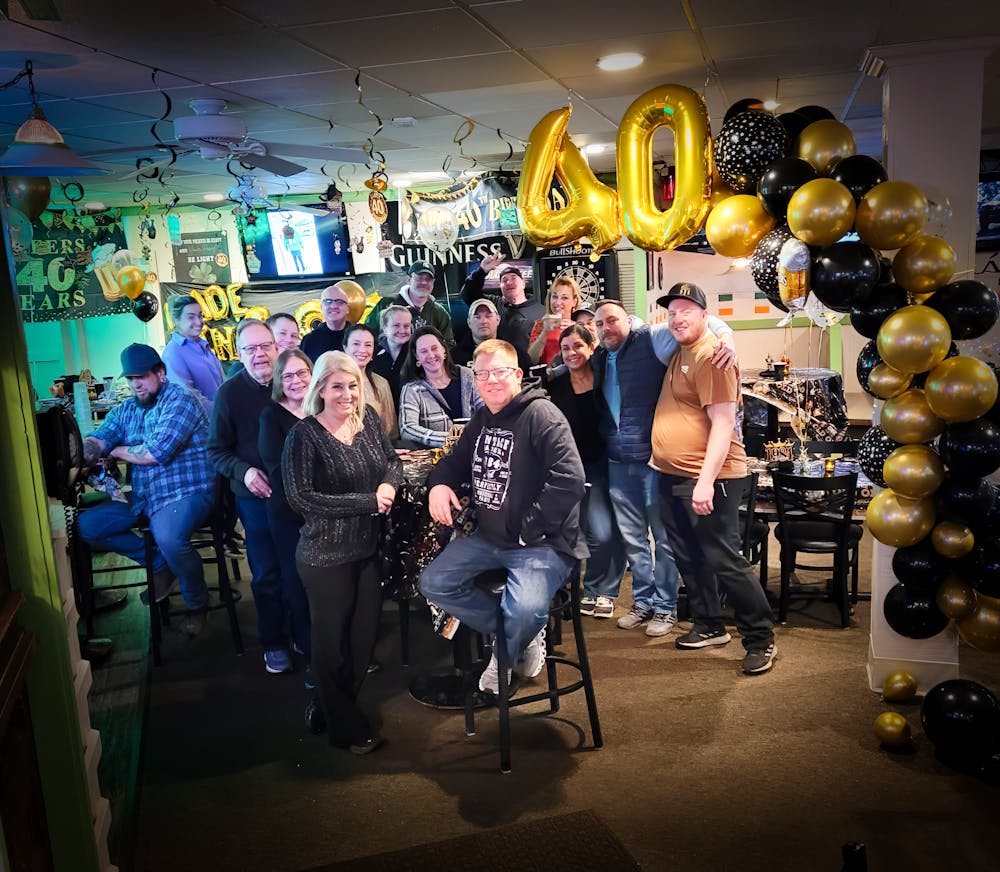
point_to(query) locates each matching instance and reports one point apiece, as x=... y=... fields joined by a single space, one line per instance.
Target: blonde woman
x=341 y=474
x=563 y=301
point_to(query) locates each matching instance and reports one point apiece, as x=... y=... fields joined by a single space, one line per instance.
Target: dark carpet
x=568 y=842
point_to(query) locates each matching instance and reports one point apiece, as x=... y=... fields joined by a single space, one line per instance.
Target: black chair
x=814 y=517
x=554 y=691
x=754 y=531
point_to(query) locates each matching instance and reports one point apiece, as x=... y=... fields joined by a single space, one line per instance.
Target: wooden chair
x=814 y=517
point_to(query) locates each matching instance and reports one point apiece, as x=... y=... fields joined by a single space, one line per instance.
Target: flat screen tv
x=292 y=243
x=988 y=213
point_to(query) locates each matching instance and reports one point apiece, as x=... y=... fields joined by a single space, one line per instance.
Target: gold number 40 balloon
x=597 y=211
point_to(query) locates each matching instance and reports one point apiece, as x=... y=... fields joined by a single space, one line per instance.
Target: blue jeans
x=533 y=576
x=265 y=568
x=634 y=490
x=606 y=564
x=285 y=529
x=108 y=526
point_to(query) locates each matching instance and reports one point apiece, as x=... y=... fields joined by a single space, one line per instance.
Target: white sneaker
x=533 y=659
x=604 y=607
x=661 y=624
x=489 y=681
x=587 y=604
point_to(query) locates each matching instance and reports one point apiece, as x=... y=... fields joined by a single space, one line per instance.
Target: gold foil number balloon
x=824 y=143
x=913 y=471
x=914 y=339
x=924 y=265
x=897 y=521
x=683 y=111
x=961 y=389
x=737 y=224
x=899 y=686
x=820 y=212
x=908 y=418
x=891 y=215
x=592 y=209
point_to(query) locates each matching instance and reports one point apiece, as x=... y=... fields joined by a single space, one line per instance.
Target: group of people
x=627 y=451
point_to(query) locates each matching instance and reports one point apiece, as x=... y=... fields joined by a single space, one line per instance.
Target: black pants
x=285 y=527
x=707 y=551
x=345 y=603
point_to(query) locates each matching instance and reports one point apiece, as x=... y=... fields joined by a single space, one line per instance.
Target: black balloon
x=145 y=306
x=983 y=566
x=844 y=273
x=868 y=314
x=745 y=105
x=868 y=359
x=815 y=113
x=969 y=307
x=764 y=264
x=962 y=720
x=964 y=501
x=744 y=148
x=859 y=174
x=919 y=566
x=783 y=178
x=912 y=611
x=794 y=123
x=971 y=449
x=873 y=449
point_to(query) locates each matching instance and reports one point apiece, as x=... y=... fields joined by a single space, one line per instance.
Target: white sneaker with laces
x=604 y=607
x=533 y=659
x=489 y=681
x=661 y=624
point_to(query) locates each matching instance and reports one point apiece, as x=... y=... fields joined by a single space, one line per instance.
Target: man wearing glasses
x=527 y=484
x=328 y=336
x=232 y=448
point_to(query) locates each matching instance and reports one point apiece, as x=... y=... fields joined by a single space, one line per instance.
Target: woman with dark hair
x=359 y=343
x=563 y=300
x=435 y=391
x=341 y=474
x=292 y=371
x=573 y=392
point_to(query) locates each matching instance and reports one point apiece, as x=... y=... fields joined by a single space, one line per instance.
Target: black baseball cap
x=138 y=359
x=583 y=310
x=684 y=291
x=511 y=269
x=420 y=267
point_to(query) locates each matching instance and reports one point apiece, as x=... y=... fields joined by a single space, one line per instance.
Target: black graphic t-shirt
x=491 y=467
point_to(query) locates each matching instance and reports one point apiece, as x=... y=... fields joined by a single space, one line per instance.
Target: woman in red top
x=564 y=298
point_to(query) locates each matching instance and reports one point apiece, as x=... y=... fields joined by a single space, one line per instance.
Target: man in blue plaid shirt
x=161 y=433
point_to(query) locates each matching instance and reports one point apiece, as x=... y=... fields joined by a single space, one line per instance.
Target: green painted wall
x=25 y=523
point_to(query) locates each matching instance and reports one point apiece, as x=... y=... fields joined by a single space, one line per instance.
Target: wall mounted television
x=988 y=212
x=291 y=243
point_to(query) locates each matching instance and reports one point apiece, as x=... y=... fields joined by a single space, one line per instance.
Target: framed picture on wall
x=988 y=212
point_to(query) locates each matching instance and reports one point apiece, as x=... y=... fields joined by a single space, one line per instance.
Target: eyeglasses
x=252 y=349
x=299 y=374
x=328 y=302
x=498 y=372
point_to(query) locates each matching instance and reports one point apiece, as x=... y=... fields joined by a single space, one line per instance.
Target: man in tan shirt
x=698 y=449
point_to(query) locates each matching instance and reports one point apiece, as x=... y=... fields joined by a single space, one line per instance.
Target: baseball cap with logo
x=420 y=267
x=511 y=269
x=479 y=304
x=138 y=359
x=684 y=291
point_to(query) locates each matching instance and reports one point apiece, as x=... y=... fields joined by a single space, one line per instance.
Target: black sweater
x=232 y=435
x=527 y=478
x=332 y=486
x=275 y=423
x=321 y=339
x=583 y=414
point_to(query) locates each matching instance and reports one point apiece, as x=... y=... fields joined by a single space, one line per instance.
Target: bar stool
x=564 y=599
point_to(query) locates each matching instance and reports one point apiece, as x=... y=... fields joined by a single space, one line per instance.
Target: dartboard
x=596 y=280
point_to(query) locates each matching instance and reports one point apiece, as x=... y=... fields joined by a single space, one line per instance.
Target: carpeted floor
x=703 y=768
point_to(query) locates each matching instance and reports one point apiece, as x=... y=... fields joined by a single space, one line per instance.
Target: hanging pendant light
x=38 y=148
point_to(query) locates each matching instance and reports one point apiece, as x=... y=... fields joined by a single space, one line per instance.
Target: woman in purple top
x=187 y=355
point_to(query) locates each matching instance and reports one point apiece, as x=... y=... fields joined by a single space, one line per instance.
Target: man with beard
x=417 y=296
x=161 y=432
x=483 y=323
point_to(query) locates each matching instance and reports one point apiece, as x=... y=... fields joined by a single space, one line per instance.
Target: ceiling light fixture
x=38 y=148
x=213 y=197
x=771 y=105
x=625 y=60
x=595 y=148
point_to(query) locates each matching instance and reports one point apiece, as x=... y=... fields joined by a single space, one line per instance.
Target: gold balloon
x=683 y=111
x=961 y=389
x=951 y=539
x=309 y=315
x=825 y=142
x=908 y=418
x=981 y=629
x=737 y=224
x=891 y=215
x=955 y=598
x=820 y=212
x=892 y=729
x=592 y=208
x=131 y=280
x=720 y=190
x=29 y=194
x=914 y=339
x=924 y=265
x=886 y=382
x=261 y=313
x=355 y=299
x=913 y=471
x=899 y=686
x=897 y=521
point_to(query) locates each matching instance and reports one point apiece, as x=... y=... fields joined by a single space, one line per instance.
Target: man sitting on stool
x=161 y=432
x=527 y=484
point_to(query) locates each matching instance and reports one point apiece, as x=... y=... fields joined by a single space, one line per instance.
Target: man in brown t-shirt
x=698 y=449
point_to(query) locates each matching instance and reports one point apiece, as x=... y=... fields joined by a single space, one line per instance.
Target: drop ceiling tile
x=500 y=98
x=664 y=52
x=328 y=86
x=292 y=13
x=474 y=72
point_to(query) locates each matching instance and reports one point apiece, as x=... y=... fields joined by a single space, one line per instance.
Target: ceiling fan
x=217 y=136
